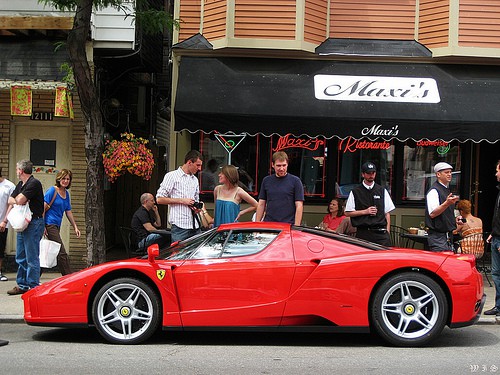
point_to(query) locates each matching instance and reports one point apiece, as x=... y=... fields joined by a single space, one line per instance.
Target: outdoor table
x=417 y=238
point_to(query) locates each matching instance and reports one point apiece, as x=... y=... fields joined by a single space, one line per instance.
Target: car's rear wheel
x=126 y=311
x=409 y=309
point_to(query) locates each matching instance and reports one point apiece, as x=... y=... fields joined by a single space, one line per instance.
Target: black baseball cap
x=368 y=167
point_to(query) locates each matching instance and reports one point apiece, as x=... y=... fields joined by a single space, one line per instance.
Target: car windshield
x=217 y=244
x=186 y=247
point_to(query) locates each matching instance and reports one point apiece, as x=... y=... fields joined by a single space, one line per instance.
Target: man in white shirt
x=180 y=190
x=439 y=215
x=6 y=189
x=369 y=206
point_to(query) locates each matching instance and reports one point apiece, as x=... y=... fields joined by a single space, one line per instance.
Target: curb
x=11 y=319
x=489 y=320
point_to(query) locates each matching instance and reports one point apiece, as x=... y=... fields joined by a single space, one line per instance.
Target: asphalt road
x=42 y=350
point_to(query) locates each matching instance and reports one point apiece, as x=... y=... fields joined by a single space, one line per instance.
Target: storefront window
x=419 y=160
x=242 y=151
x=352 y=153
x=306 y=160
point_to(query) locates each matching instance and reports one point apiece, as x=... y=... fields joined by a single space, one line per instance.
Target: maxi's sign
x=376 y=89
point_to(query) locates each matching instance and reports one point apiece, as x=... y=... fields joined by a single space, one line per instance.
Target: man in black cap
x=369 y=206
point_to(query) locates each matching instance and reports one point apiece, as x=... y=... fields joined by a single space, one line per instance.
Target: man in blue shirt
x=281 y=196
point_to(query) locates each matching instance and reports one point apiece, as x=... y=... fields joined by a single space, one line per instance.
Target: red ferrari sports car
x=267 y=276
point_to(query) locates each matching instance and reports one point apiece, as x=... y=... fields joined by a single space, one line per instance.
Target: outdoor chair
x=476 y=244
x=129 y=241
x=396 y=239
x=472 y=244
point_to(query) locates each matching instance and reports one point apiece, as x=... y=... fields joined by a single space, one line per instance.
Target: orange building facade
x=334 y=83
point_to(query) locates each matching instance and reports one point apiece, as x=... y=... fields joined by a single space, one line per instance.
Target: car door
x=238 y=278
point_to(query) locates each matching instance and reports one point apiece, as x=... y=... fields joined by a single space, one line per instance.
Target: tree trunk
x=94 y=133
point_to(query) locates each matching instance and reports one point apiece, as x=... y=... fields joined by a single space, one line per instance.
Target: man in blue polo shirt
x=281 y=196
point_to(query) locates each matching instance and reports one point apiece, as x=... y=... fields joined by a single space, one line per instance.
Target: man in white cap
x=439 y=215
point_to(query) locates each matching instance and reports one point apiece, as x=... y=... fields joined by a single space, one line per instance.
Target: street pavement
x=11 y=307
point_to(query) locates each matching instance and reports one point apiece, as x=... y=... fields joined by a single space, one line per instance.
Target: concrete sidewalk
x=11 y=307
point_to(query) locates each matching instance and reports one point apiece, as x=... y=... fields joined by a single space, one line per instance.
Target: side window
x=234 y=243
x=242 y=243
x=212 y=248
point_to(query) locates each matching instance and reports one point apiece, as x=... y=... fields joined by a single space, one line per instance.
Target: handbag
x=49 y=250
x=19 y=217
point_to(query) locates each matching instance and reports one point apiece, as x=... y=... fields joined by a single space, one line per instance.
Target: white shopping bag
x=48 y=253
x=19 y=217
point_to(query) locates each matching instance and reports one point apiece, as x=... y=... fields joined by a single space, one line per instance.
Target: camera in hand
x=463 y=220
x=198 y=205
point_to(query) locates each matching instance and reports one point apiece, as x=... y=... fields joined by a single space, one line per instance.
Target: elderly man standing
x=440 y=215
x=180 y=190
x=28 y=191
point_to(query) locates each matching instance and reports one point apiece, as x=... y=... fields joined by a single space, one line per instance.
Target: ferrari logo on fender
x=160 y=274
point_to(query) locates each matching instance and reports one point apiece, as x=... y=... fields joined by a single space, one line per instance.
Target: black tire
x=409 y=309
x=126 y=311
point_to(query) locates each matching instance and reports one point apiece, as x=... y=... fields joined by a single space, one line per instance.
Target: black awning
x=274 y=96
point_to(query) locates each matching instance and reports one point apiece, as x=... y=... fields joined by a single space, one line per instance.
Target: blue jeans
x=180 y=234
x=28 y=254
x=495 y=268
x=151 y=239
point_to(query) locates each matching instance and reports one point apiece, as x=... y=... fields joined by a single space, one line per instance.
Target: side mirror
x=153 y=252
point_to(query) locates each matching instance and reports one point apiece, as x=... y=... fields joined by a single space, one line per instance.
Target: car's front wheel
x=409 y=309
x=126 y=311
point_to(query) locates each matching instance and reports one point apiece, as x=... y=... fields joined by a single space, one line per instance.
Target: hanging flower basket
x=129 y=154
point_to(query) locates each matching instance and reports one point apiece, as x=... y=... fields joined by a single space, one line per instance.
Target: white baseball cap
x=442 y=165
